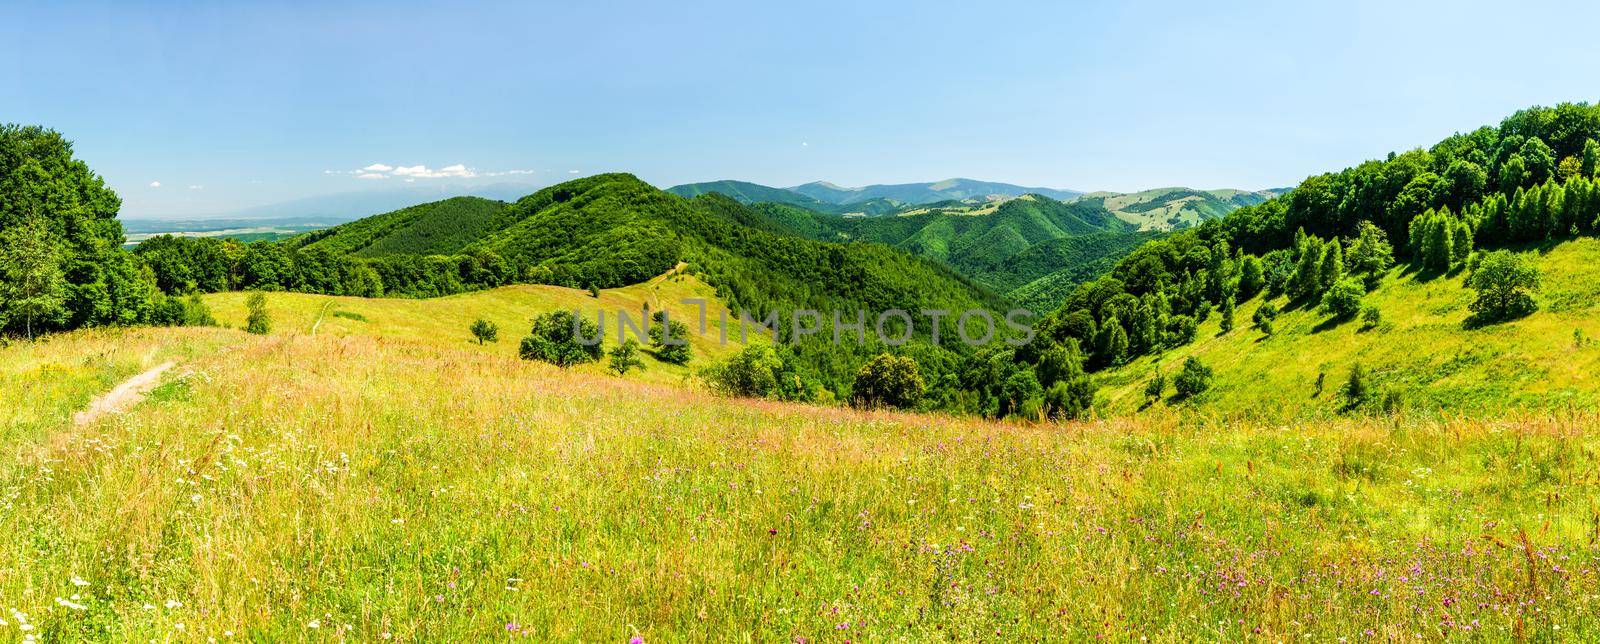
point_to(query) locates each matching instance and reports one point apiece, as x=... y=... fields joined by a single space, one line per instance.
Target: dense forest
x=1530 y=179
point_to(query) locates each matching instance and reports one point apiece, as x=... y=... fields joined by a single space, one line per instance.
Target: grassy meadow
x=445 y=320
x=375 y=487
x=1421 y=351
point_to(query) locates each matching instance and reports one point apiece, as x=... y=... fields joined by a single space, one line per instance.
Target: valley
x=1358 y=408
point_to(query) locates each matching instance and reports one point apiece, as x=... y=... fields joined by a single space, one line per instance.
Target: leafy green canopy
x=65 y=267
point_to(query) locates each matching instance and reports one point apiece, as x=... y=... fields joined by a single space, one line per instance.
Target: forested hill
x=1174 y=208
x=437 y=228
x=602 y=231
x=1032 y=249
x=748 y=193
x=1466 y=213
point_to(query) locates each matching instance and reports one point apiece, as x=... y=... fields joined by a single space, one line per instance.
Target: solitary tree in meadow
x=1504 y=281
x=259 y=321
x=669 y=339
x=562 y=338
x=1193 y=380
x=625 y=357
x=485 y=331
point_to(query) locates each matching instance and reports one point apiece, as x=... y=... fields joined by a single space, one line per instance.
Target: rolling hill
x=751 y=193
x=1003 y=246
x=923 y=193
x=436 y=228
x=1423 y=353
x=1173 y=208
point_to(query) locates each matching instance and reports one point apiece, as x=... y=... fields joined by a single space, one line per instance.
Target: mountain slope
x=748 y=193
x=1173 y=208
x=923 y=193
x=1422 y=354
x=436 y=228
x=1000 y=248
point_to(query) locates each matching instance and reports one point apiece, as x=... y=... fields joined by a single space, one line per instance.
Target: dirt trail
x=123 y=396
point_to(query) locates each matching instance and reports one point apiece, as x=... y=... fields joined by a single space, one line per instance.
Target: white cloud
x=378 y=167
x=155 y=184
x=197 y=187
x=371 y=175
x=572 y=172
x=506 y=172
x=458 y=170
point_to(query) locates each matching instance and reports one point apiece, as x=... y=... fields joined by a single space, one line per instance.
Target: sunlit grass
x=1421 y=352
x=347 y=486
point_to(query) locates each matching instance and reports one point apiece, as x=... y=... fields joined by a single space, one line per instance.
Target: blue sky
x=252 y=103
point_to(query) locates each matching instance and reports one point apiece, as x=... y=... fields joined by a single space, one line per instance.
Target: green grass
x=1421 y=352
x=444 y=321
x=362 y=487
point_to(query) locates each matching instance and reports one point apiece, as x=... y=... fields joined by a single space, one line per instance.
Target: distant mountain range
x=1158 y=209
x=923 y=193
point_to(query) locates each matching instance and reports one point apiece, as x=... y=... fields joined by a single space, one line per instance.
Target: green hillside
x=1458 y=277
x=748 y=193
x=1003 y=245
x=440 y=227
x=752 y=193
x=1173 y=208
x=1422 y=353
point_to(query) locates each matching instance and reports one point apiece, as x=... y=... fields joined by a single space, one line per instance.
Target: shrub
x=485 y=331
x=1357 y=389
x=555 y=339
x=1371 y=317
x=1193 y=380
x=259 y=321
x=1156 y=386
x=669 y=339
x=762 y=371
x=196 y=313
x=1264 y=316
x=1504 y=281
x=1343 y=300
x=887 y=380
x=625 y=357
x=1022 y=395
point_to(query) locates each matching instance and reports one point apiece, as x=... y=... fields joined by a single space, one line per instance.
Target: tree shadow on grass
x=1484 y=319
x=1331 y=323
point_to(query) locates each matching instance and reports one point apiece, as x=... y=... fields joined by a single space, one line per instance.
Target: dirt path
x=321 y=315
x=123 y=396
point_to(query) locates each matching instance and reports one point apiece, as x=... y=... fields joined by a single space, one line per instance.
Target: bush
x=1504 y=281
x=485 y=331
x=1193 y=380
x=1157 y=386
x=1022 y=395
x=669 y=339
x=196 y=313
x=625 y=357
x=1264 y=316
x=259 y=321
x=762 y=371
x=1371 y=317
x=887 y=380
x=1343 y=301
x=1357 y=389
x=555 y=339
